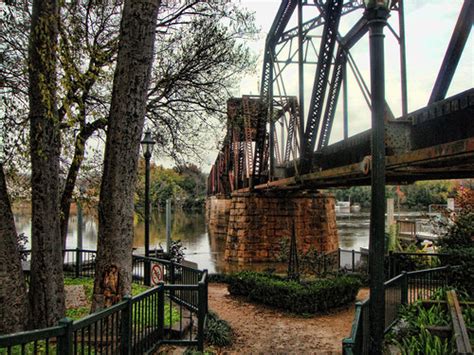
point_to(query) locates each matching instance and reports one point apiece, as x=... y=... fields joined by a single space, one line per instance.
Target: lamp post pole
x=147 y=145
x=377 y=12
x=147 y=215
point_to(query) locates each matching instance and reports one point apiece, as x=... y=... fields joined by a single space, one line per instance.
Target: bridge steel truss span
x=274 y=141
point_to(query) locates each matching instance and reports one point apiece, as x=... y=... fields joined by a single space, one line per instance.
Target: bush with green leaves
x=458 y=247
x=218 y=332
x=425 y=343
x=302 y=298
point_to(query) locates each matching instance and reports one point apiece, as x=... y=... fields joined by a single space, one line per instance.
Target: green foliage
x=185 y=185
x=360 y=194
x=411 y=335
x=468 y=315
x=418 y=316
x=423 y=193
x=418 y=195
x=301 y=298
x=218 y=332
x=77 y=313
x=425 y=343
x=88 y=284
x=458 y=245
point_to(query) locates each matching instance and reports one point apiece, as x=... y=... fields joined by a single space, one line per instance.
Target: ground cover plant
x=218 y=331
x=298 y=297
x=412 y=333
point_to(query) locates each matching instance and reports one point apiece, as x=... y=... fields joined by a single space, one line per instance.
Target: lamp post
x=377 y=12
x=80 y=224
x=147 y=147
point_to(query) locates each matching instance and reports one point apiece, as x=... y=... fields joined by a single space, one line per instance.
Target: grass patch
x=88 y=284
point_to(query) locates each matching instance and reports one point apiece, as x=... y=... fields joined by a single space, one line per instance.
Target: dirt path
x=263 y=330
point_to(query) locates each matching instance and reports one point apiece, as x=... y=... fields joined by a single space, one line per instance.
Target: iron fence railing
x=136 y=325
x=353 y=260
x=403 y=289
x=404 y=261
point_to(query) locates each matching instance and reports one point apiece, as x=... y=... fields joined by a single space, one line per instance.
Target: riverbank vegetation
x=185 y=185
x=418 y=196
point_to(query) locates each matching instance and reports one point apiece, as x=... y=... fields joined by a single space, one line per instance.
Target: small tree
x=458 y=242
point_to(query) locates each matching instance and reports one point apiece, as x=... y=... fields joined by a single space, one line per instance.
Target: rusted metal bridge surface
x=271 y=144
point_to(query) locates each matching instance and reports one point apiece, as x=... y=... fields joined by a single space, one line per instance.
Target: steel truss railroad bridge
x=271 y=144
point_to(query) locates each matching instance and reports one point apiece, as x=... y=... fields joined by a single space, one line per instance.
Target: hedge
x=461 y=276
x=311 y=297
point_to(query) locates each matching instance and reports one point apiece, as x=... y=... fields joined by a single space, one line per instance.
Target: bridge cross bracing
x=283 y=144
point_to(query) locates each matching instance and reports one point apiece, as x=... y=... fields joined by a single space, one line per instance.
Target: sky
x=429 y=25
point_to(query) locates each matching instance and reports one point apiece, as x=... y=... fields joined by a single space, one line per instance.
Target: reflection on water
x=89 y=230
x=190 y=228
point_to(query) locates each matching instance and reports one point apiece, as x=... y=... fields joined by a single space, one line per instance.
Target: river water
x=190 y=228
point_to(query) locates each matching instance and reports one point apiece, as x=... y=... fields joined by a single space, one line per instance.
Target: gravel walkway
x=263 y=330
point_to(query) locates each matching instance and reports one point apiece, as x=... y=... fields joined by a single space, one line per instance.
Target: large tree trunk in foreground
x=127 y=114
x=13 y=297
x=47 y=284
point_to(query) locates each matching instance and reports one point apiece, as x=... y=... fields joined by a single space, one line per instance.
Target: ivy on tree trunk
x=125 y=124
x=47 y=284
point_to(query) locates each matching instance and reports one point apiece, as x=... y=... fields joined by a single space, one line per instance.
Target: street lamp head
x=147 y=144
x=377 y=4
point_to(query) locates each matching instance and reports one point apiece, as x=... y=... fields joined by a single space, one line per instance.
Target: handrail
x=192 y=296
x=32 y=335
x=353 y=340
x=94 y=317
x=416 y=272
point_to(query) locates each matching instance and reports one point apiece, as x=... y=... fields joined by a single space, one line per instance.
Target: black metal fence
x=396 y=262
x=403 y=289
x=353 y=260
x=136 y=325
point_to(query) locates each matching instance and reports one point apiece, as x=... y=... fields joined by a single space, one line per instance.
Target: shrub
x=458 y=245
x=310 y=297
x=218 y=332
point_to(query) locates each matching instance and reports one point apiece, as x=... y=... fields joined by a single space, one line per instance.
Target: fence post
x=65 y=341
x=161 y=311
x=390 y=273
x=353 y=260
x=404 y=288
x=201 y=315
x=172 y=276
x=126 y=329
x=206 y=282
x=78 y=264
x=446 y=275
x=338 y=258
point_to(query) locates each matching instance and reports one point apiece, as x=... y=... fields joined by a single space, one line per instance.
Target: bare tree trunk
x=127 y=113
x=47 y=284
x=66 y=196
x=13 y=296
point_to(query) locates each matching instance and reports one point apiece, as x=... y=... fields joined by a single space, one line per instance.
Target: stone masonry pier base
x=217 y=214
x=259 y=223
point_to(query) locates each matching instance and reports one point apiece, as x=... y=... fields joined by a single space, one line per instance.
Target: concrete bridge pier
x=259 y=222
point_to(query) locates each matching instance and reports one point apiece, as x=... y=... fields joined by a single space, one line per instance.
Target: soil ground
x=263 y=330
